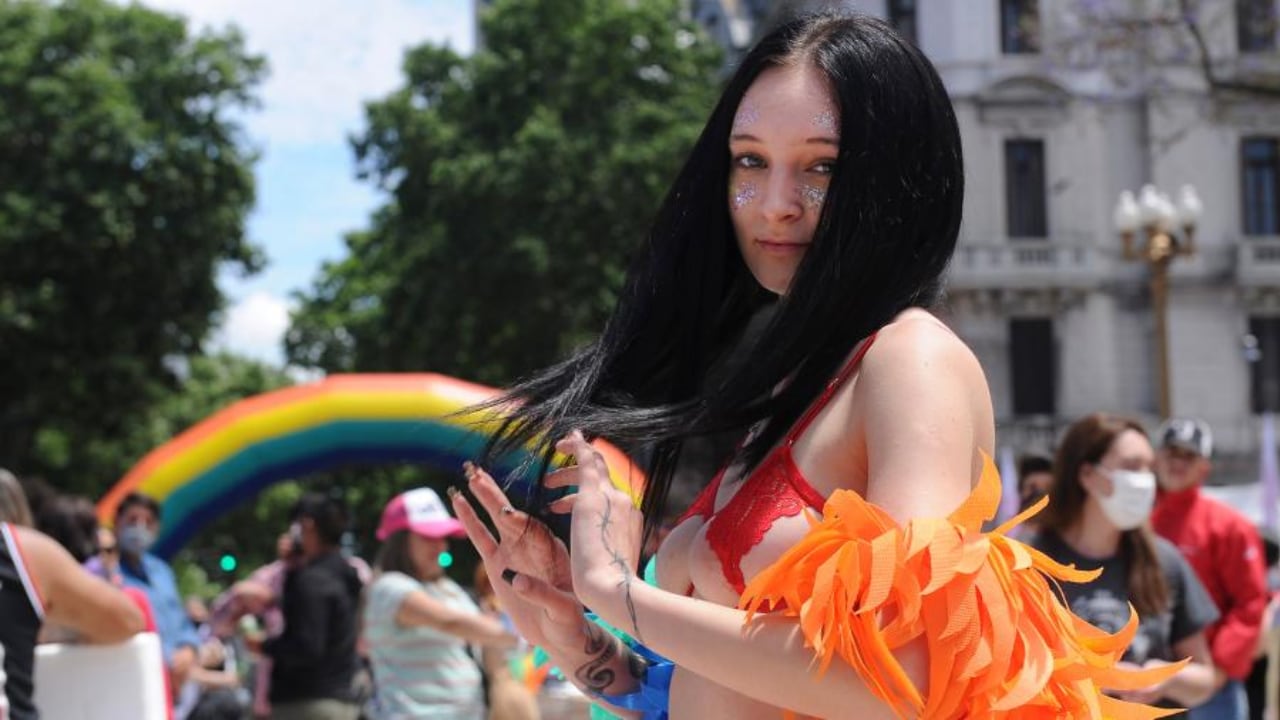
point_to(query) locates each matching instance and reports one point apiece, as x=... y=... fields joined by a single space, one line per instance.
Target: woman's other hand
x=528 y=567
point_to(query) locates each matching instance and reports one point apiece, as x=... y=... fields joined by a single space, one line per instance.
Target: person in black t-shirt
x=314 y=660
x=1101 y=497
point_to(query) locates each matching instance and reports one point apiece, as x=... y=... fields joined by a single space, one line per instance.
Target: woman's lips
x=781 y=247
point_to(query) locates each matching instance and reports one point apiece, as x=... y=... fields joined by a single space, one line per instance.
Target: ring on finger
x=507 y=510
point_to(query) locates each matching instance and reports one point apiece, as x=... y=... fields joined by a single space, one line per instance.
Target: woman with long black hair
x=828 y=181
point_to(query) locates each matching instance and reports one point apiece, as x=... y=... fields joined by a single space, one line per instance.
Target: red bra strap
x=832 y=387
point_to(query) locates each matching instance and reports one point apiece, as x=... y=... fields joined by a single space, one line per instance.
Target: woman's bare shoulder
x=918 y=337
x=920 y=373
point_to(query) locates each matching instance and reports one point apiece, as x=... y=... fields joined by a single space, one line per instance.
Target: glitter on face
x=812 y=196
x=747 y=116
x=825 y=120
x=744 y=196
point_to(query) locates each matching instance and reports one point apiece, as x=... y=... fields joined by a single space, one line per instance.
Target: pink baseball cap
x=421 y=511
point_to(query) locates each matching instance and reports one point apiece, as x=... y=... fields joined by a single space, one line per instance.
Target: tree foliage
x=124 y=187
x=520 y=179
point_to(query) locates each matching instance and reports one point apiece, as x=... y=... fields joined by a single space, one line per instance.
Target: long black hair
x=887 y=231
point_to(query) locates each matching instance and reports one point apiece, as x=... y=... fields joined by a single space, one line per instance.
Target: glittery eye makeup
x=747 y=116
x=825 y=120
x=812 y=196
x=744 y=195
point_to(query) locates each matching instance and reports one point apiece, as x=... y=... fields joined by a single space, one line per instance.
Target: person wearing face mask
x=1224 y=549
x=1099 y=503
x=136 y=523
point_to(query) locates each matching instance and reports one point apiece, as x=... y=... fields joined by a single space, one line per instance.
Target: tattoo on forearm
x=595 y=674
x=621 y=563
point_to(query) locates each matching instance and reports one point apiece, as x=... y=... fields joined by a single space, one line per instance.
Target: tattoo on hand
x=621 y=563
x=601 y=647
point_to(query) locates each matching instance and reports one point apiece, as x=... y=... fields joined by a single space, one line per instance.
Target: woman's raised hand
x=606 y=532
x=527 y=565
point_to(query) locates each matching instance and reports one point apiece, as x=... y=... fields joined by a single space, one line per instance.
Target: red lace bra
x=775 y=489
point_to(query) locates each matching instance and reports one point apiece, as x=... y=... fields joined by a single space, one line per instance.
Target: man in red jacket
x=1224 y=548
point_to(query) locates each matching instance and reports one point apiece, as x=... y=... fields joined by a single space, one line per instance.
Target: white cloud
x=327 y=57
x=255 y=326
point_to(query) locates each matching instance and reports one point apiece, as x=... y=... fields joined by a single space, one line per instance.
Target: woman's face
x=783 y=148
x=1129 y=451
x=426 y=555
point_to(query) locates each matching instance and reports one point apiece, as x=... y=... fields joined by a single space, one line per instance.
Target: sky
x=326 y=58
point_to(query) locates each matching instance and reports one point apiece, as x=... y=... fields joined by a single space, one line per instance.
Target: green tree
x=124 y=187
x=520 y=179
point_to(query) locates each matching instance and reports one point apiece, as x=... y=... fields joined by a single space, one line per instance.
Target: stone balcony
x=1258 y=261
x=1030 y=264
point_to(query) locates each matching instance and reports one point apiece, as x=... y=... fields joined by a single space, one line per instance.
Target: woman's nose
x=782 y=200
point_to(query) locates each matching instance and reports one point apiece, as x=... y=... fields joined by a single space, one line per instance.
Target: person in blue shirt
x=137 y=521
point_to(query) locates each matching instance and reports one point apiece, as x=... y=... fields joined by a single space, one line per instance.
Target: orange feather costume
x=1000 y=642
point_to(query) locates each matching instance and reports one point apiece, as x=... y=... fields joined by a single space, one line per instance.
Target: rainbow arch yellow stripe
x=342 y=419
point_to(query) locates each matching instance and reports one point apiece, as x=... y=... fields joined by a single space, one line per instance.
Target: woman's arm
x=420 y=609
x=76 y=598
x=1194 y=683
x=923 y=403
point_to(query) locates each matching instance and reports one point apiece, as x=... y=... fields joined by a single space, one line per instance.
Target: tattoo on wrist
x=596 y=674
x=601 y=647
x=623 y=568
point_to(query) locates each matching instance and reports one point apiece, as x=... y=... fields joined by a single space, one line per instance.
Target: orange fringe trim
x=1000 y=642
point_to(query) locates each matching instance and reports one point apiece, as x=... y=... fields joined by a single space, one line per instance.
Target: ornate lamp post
x=1160 y=221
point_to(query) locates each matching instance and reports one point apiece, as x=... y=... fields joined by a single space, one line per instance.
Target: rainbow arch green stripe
x=343 y=419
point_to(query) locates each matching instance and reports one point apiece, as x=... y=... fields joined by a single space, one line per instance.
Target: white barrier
x=101 y=682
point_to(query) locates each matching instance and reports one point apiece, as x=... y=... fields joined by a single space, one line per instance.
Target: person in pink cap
x=418 y=622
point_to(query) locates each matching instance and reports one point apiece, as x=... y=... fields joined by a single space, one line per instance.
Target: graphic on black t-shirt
x=1104 y=602
x=1104 y=608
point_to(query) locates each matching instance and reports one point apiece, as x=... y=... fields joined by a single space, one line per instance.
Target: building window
x=1019 y=27
x=1024 y=189
x=1260 y=185
x=1264 y=368
x=1033 y=364
x=902 y=16
x=1256 y=26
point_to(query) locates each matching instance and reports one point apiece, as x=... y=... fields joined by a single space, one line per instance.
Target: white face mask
x=1133 y=494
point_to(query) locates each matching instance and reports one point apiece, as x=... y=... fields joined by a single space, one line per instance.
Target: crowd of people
x=1195 y=569
x=316 y=634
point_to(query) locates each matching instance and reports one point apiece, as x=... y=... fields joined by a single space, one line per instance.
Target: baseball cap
x=421 y=511
x=1188 y=434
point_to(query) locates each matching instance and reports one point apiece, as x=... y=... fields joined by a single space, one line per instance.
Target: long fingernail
x=509 y=576
x=451 y=491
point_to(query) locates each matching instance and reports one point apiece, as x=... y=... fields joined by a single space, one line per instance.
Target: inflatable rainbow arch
x=234 y=454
